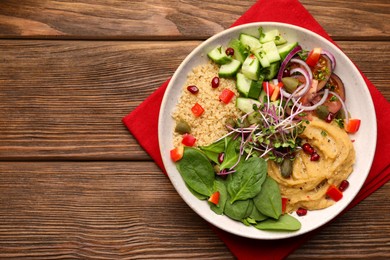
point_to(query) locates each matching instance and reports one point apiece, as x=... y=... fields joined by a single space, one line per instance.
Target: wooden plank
x=130 y=210
x=65 y=99
x=171 y=18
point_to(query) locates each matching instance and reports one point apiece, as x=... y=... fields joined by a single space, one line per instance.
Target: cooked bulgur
x=210 y=126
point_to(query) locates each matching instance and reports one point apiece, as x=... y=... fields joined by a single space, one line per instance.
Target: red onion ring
x=342 y=105
x=301 y=90
x=304 y=64
x=331 y=57
x=286 y=61
x=322 y=101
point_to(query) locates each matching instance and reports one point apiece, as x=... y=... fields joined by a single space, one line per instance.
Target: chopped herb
x=261 y=33
x=324 y=133
x=340 y=122
x=333 y=98
x=303 y=54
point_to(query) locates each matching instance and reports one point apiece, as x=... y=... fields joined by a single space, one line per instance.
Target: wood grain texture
x=130 y=210
x=65 y=99
x=74 y=184
x=173 y=18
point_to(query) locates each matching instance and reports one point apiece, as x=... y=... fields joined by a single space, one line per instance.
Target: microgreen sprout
x=274 y=135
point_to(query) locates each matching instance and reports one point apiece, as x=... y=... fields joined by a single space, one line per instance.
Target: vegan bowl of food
x=267 y=130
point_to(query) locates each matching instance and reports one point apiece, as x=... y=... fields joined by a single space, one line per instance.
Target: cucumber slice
x=246 y=104
x=255 y=89
x=271 y=71
x=247 y=87
x=250 y=41
x=230 y=69
x=263 y=97
x=251 y=67
x=279 y=40
x=218 y=55
x=271 y=51
x=240 y=52
x=262 y=56
x=285 y=49
x=243 y=84
x=272 y=35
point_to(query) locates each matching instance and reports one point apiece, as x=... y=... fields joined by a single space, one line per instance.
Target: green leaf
x=219 y=185
x=257 y=215
x=246 y=182
x=237 y=210
x=213 y=150
x=197 y=171
x=269 y=200
x=286 y=222
x=197 y=194
x=231 y=153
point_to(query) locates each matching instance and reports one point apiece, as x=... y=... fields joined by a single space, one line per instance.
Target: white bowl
x=359 y=103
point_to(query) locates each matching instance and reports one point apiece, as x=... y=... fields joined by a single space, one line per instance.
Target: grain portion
x=210 y=126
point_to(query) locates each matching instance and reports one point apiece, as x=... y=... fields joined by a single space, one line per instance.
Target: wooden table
x=75 y=184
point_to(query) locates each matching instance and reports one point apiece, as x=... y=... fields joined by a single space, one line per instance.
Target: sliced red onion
x=301 y=90
x=308 y=81
x=286 y=61
x=343 y=106
x=322 y=101
x=303 y=64
x=331 y=57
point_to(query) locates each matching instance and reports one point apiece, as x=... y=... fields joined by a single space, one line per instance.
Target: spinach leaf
x=213 y=150
x=237 y=210
x=286 y=222
x=219 y=185
x=232 y=153
x=246 y=182
x=269 y=200
x=257 y=215
x=197 y=194
x=197 y=171
x=249 y=209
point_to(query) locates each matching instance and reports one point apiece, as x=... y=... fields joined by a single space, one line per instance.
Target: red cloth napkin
x=142 y=123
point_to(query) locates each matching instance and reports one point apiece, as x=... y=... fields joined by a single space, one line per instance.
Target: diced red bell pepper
x=334 y=193
x=197 y=110
x=226 y=96
x=284 y=204
x=313 y=57
x=188 y=140
x=272 y=90
x=268 y=88
x=177 y=153
x=214 y=198
x=352 y=126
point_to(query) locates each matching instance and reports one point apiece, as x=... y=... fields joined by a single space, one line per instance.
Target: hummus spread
x=309 y=181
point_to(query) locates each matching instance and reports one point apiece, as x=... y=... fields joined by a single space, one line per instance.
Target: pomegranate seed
x=193 y=89
x=229 y=51
x=221 y=156
x=301 y=212
x=344 y=185
x=307 y=148
x=329 y=117
x=314 y=157
x=215 y=82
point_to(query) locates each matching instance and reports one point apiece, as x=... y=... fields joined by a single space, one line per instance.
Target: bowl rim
x=195 y=51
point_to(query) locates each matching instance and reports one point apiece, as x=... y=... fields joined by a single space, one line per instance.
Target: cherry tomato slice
x=313 y=57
